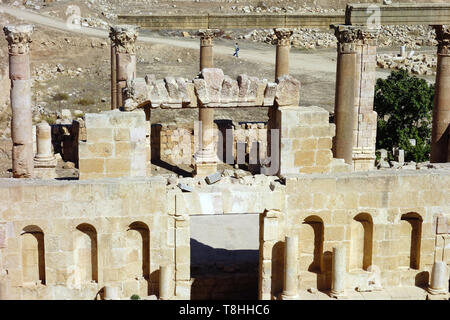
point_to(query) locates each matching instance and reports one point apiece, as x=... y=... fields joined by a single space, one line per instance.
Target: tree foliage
x=404 y=105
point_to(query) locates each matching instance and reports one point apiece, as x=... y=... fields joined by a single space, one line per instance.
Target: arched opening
x=311 y=252
x=86 y=254
x=138 y=255
x=410 y=239
x=361 y=242
x=33 y=255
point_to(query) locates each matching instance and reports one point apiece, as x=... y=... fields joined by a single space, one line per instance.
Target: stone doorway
x=224 y=257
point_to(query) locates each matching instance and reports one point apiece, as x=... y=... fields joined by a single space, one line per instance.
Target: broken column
x=165 y=282
x=124 y=38
x=19 y=39
x=338 y=272
x=206 y=159
x=344 y=112
x=282 y=55
x=441 y=108
x=290 y=268
x=44 y=161
x=439 y=279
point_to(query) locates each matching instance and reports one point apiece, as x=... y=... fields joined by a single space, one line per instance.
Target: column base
x=288 y=297
x=338 y=295
x=363 y=163
x=205 y=169
x=437 y=292
x=45 y=169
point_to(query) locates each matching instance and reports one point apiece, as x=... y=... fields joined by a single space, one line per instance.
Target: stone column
x=439 y=279
x=441 y=108
x=113 y=75
x=290 y=268
x=205 y=158
x=19 y=39
x=111 y=293
x=124 y=38
x=282 y=56
x=344 y=112
x=338 y=273
x=165 y=282
x=206 y=47
x=44 y=160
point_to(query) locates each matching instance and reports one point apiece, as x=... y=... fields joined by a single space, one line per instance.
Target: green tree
x=404 y=105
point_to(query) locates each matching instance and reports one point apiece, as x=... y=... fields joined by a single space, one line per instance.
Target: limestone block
x=214 y=78
x=190 y=90
x=201 y=91
x=269 y=93
x=230 y=90
x=244 y=87
x=288 y=91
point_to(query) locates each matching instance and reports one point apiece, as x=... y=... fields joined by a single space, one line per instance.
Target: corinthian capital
x=124 y=38
x=19 y=38
x=207 y=36
x=347 y=36
x=443 y=38
x=283 y=36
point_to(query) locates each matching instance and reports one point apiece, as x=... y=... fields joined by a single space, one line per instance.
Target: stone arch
x=410 y=239
x=361 y=241
x=311 y=252
x=138 y=250
x=33 y=254
x=86 y=253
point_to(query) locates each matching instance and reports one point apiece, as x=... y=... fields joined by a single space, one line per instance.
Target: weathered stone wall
x=176 y=142
x=383 y=219
x=84 y=236
x=116 y=145
x=305 y=141
x=365 y=125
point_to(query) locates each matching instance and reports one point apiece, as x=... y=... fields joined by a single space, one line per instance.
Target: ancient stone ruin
x=328 y=221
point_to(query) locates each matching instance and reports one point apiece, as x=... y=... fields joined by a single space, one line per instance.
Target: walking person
x=236 y=50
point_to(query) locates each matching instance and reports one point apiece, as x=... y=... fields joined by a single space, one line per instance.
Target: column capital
x=207 y=36
x=19 y=38
x=369 y=35
x=283 y=36
x=347 y=37
x=124 y=38
x=443 y=38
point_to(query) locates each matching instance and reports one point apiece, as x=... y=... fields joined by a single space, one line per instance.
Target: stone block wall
x=177 y=143
x=67 y=240
x=306 y=140
x=388 y=220
x=115 y=146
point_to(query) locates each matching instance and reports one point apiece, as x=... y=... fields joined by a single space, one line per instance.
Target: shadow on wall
x=223 y=274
